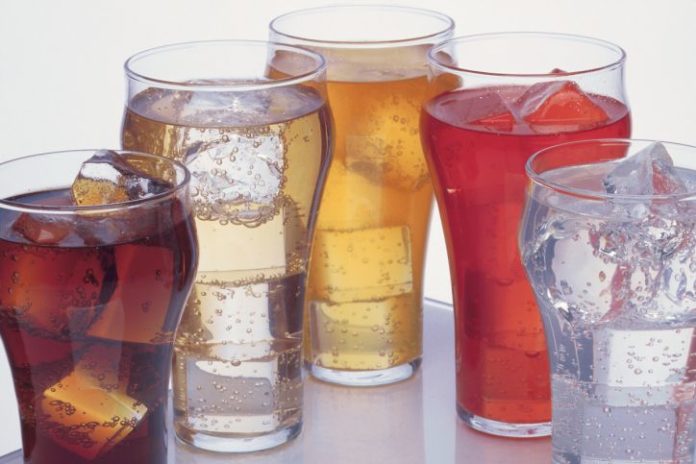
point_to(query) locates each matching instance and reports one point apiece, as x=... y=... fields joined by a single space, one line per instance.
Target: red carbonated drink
x=90 y=298
x=477 y=142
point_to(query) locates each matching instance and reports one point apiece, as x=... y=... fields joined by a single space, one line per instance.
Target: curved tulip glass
x=251 y=123
x=364 y=297
x=508 y=96
x=94 y=276
x=608 y=241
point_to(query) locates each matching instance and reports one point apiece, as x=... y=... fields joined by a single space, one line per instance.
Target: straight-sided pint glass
x=364 y=298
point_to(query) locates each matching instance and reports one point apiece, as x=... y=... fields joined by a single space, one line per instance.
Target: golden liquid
x=365 y=283
x=256 y=162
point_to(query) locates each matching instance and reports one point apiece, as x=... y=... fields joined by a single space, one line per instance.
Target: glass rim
x=434 y=61
x=406 y=41
x=108 y=208
x=241 y=86
x=537 y=177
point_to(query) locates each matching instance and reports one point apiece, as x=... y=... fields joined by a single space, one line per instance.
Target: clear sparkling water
x=616 y=285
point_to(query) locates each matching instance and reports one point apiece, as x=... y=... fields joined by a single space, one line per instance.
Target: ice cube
x=384 y=146
x=282 y=237
x=237 y=176
x=221 y=312
x=489 y=110
x=108 y=178
x=361 y=265
x=351 y=211
x=377 y=326
x=559 y=106
x=647 y=172
x=139 y=306
x=88 y=412
x=53 y=292
x=42 y=229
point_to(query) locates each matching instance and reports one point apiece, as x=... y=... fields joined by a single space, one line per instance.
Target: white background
x=62 y=85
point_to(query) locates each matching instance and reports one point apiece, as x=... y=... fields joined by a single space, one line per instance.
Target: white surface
x=412 y=422
x=61 y=79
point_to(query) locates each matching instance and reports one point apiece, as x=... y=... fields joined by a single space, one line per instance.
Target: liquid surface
x=88 y=325
x=477 y=142
x=256 y=173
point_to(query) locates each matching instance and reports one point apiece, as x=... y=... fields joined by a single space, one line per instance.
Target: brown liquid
x=88 y=329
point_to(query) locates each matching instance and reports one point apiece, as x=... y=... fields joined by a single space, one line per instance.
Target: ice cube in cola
x=88 y=313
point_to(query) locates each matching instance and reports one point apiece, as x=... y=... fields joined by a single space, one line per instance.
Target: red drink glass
x=510 y=95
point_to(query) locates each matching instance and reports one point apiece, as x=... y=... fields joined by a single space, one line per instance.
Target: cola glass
x=94 y=276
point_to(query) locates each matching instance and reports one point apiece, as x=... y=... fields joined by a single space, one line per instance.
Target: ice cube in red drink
x=559 y=106
x=489 y=110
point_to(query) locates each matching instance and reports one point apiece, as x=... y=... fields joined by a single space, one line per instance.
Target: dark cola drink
x=89 y=303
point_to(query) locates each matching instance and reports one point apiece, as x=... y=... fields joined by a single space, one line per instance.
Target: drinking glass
x=91 y=298
x=364 y=296
x=250 y=121
x=508 y=96
x=609 y=244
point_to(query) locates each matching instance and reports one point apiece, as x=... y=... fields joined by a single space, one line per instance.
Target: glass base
x=365 y=378
x=504 y=429
x=224 y=443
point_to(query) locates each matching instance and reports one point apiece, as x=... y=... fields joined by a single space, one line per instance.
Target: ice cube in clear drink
x=559 y=106
x=89 y=411
x=647 y=172
x=108 y=178
x=237 y=176
x=42 y=230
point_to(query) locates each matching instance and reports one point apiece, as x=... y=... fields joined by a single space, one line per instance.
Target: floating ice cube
x=647 y=172
x=108 y=178
x=237 y=176
x=361 y=265
x=139 y=306
x=89 y=411
x=489 y=110
x=43 y=230
x=350 y=211
x=550 y=107
x=385 y=145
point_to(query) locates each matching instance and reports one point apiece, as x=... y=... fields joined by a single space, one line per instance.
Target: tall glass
x=509 y=95
x=91 y=297
x=250 y=121
x=364 y=298
x=609 y=244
